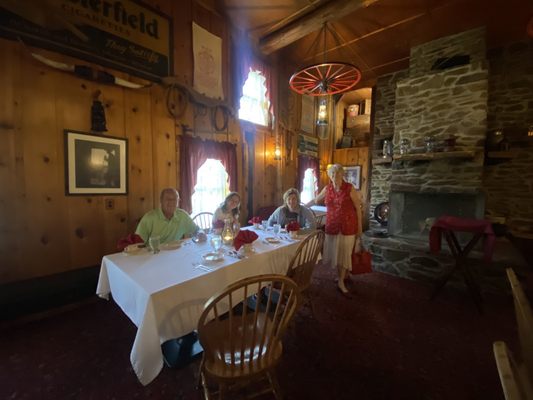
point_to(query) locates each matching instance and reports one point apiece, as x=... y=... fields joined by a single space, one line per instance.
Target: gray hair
x=168 y=190
x=333 y=168
x=289 y=192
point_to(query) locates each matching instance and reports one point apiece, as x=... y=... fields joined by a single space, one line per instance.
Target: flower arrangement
x=293 y=226
x=256 y=221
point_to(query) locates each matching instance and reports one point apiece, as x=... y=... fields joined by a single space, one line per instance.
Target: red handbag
x=361 y=262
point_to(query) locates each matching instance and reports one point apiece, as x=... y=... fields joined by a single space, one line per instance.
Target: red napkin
x=255 y=220
x=132 y=238
x=244 y=237
x=293 y=226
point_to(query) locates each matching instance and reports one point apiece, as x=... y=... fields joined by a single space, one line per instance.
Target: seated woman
x=292 y=210
x=229 y=209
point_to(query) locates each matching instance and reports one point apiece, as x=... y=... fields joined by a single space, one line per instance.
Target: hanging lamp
x=324 y=79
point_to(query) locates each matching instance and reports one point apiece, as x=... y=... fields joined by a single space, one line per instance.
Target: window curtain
x=193 y=153
x=305 y=162
x=245 y=61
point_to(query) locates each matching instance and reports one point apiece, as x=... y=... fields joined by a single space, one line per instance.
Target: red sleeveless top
x=341 y=216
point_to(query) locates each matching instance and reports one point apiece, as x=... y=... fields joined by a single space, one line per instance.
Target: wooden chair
x=204 y=220
x=303 y=263
x=524 y=320
x=515 y=382
x=243 y=346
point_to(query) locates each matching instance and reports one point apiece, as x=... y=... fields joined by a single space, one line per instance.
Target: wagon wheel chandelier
x=325 y=78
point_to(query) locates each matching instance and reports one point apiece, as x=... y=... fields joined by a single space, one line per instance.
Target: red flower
x=255 y=220
x=293 y=226
x=218 y=224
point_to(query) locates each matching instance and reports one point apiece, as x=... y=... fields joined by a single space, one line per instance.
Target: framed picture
x=353 y=175
x=95 y=164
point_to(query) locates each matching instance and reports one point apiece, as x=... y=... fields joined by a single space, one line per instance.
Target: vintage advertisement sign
x=308 y=145
x=124 y=34
x=207 y=51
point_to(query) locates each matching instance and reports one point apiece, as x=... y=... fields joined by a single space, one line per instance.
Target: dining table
x=163 y=294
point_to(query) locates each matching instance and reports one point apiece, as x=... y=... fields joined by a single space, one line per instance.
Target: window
x=211 y=188
x=254 y=104
x=309 y=187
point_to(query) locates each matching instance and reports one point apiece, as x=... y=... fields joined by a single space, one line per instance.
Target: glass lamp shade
x=322 y=122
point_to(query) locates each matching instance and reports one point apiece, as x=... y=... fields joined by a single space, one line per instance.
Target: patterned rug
x=387 y=342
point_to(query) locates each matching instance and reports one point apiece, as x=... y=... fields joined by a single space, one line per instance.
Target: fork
x=205 y=268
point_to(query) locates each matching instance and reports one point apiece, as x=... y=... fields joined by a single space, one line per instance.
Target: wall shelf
x=381 y=160
x=501 y=154
x=436 y=156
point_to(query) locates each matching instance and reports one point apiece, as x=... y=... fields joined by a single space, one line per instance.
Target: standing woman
x=229 y=209
x=343 y=222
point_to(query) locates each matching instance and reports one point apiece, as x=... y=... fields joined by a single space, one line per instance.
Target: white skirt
x=338 y=250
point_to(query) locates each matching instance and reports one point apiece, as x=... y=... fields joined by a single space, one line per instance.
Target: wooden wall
x=42 y=230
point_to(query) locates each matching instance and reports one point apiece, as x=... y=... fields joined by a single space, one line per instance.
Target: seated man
x=168 y=222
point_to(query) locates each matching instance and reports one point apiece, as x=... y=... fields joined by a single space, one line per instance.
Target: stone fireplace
x=435 y=102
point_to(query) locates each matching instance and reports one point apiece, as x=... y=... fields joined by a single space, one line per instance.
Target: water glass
x=216 y=242
x=277 y=229
x=264 y=224
x=154 y=243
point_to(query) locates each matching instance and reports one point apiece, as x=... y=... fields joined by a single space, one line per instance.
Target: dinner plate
x=136 y=248
x=176 y=244
x=212 y=256
x=272 y=240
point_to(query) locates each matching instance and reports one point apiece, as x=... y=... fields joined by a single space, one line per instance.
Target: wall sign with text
x=124 y=34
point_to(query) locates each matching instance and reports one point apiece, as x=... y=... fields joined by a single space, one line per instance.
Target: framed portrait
x=353 y=175
x=95 y=164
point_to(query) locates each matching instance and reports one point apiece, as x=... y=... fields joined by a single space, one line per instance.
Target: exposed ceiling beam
x=310 y=23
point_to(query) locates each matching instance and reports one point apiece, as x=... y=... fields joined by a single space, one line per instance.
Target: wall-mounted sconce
x=277 y=151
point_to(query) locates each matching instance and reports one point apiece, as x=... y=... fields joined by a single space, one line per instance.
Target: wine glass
x=216 y=243
x=276 y=229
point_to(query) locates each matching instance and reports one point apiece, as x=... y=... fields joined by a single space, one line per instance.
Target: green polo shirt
x=154 y=223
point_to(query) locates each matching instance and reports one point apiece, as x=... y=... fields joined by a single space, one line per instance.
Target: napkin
x=244 y=237
x=132 y=238
x=255 y=220
x=293 y=226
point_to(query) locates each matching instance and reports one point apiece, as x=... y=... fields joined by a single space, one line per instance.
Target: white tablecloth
x=163 y=294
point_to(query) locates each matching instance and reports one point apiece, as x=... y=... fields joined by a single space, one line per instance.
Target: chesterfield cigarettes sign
x=120 y=34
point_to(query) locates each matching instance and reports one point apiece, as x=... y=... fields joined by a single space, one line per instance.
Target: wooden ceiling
x=375 y=35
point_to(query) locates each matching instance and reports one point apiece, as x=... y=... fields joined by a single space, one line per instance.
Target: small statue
x=98 y=122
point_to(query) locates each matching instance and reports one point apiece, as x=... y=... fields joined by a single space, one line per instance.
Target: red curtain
x=193 y=153
x=305 y=162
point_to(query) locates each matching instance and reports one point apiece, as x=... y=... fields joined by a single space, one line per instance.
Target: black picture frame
x=95 y=164
x=352 y=174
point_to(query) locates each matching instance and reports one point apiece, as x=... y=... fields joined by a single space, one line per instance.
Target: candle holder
x=227 y=233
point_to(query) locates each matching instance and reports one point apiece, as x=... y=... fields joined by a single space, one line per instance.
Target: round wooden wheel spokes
x=325 y=79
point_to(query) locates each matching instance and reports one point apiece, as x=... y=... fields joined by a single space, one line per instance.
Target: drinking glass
x=216 y=242
x=154 y=243
x=264 y=224
x=276 y=228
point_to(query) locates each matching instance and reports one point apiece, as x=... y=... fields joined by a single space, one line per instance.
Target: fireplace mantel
x=436 y=155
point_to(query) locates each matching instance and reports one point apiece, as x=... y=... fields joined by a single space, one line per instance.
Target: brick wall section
x=470 y=43
x=509 y=183
x=440 y=104
x=384 y=126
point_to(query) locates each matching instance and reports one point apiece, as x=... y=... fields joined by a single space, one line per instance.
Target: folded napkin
x=132 y=238
x=244 y=237
x=255 y=220
x=293 y=226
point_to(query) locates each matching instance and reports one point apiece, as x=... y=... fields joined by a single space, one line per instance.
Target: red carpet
x=388 y=342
